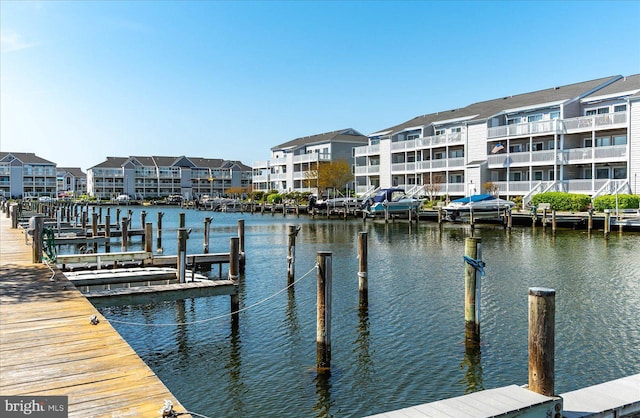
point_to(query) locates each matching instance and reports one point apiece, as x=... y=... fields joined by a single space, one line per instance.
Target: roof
x=341 y=135
x=26 y=158
x=629 y=85
x=481 y=111
x=168 y=161
x=111 y=162
x=74 y=171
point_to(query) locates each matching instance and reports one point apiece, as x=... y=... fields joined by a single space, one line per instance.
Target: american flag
x=499 y=147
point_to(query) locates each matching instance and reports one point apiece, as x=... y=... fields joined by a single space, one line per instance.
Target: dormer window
x=598 y=111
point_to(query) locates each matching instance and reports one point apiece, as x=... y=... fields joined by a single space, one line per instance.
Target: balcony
x=261 y=178
x=366 y=150
x=541 y=127
x=367 y=169
x=278 y=176
x=311 y=158
x=428 y=141
x=615 y=153
x=589 y=123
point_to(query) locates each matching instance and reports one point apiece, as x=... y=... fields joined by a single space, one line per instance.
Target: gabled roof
x=481 y=111
x=342 y=135
x=74 y=171
x=111 y=162
x=625 y=86
x=200 y=162
x=25 y=158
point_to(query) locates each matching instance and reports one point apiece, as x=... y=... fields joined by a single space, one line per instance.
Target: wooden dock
x=48 y=346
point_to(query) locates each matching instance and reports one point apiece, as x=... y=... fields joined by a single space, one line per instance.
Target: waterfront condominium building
x=24 y=174
x=155 y=177
x=72 y=181
x=293 y=164
x=578 y=138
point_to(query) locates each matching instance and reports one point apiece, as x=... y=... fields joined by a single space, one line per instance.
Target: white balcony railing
x=541 y=127
x=367 y=169
x=428 y=141
x=309 y=158
x=586 y=123
x=366 y=150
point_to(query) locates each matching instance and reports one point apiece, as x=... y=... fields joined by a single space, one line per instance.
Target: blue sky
x=81 y=81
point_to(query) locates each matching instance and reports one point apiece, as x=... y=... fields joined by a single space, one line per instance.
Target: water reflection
x=323 y=392
x=472 y=362
x=364 y=361
x=236 y=389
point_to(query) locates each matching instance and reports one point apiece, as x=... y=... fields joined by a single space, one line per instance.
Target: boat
x=479 y=203
x=393 y=200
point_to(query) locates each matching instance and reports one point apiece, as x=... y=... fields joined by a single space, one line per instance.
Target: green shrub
x=274 y=198
x=625 y=201
x=563 y=201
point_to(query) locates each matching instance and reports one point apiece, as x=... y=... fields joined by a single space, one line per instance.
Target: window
x=598 y=111
x=620 y=172
x=620 y=140
x=513 y=121
x=537 y=175
x=455 y=178
x=602 y=173
x=440 y=131
x=439 y=156
x=456 y=130
x=515 y=148
x=603 y=141
x=554 y=115
x=515 y=176
x=534 y=118
x=456 y=153
x=537 y=146
x=552 y=175
x=588 y=143
x=620 y=108
x=412 y=136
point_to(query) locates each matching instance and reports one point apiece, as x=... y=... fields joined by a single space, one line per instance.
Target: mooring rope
x=479 y=265
x=219 y=316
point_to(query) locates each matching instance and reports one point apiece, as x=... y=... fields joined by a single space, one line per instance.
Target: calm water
x=408 y=347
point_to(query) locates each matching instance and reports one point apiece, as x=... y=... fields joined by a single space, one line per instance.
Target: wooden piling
x=13 y=212
x=542 y=312
x=291 y=255
x=143 y=219
x=553 y=221
x=181 y=220
x=243 y=258
x=124 y=229
x=181 y=272
x=83 y=221
x=607 y=223
x=363 y=279
x=117 y=216
x=36 y=223
x=107 y=232
x=148 y=237
x=472 y=286
x=94 y=230
x=159 y=239
x=234 y=257
x=509 y=219
x=205 y=244
x=323 y=319
x=590 y=221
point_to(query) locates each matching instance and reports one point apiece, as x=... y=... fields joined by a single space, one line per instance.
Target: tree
x=330 y=175
x=434 y=186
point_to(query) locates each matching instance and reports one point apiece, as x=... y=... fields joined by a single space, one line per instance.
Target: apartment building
x=293 y=164
x=160 y=176
x=578 y=138
x=24 y=174
x=71 y=181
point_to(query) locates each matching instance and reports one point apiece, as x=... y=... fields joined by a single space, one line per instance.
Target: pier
x=49 y=346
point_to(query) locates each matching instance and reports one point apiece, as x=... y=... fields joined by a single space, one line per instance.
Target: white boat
x=479 y=203
x=393 y=201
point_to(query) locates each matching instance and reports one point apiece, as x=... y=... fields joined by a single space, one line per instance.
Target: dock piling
x=148 y=237
x=36 y=224
x=125 y=233
x=243 y=256
x=472 y=286
x=207 y=225
x=234 y=257
x=159 y=239
x=291 y=254
x=607 y=223
x=363 y=279
x=107 y=232
x=542 y=312
x=183 y=234
x=323 y=329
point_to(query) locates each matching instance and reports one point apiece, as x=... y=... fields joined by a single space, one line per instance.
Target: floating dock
x=48 y=346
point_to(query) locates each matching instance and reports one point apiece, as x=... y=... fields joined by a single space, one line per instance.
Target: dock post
x=542 y=313
x=143 y=219
x=439 y=216
x=107 y=232
x=553 y=221
x=323 y=329
x=607 y=223
x=124 y=230
x=183 y=234
x=94 y=230
x=386 y=214
x=472 y=220
x=100 y=214
x=13 y=210
x=148 y=237
x=509 y=219
x=363 y=279
x=291 y=255
x=159 y=239
x=205 y=244
x=472 y=286
x=117 y=216
x=590 y=221
x=234 y=246
x=181 y=220
x=83 y=221
x=36 y=224
x=243 y=256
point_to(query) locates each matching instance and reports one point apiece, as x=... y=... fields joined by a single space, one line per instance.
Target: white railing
x=456 y=162
x=541 y=127
x=312 y=157
x=366 y=150
x=278 y=176
x=367 y=169
x=260 y=178
x=583 y=123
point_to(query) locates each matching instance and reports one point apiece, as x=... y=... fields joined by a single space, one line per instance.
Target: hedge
x=563 y=201
x=625 y=201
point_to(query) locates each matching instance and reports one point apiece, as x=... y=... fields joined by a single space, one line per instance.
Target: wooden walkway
x=48 y=346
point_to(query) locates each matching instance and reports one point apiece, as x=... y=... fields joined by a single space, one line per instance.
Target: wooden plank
x=49 y=347
x=620 y=394
x=93 y=258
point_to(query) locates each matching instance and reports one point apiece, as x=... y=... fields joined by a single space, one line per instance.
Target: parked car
x=123 y=198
